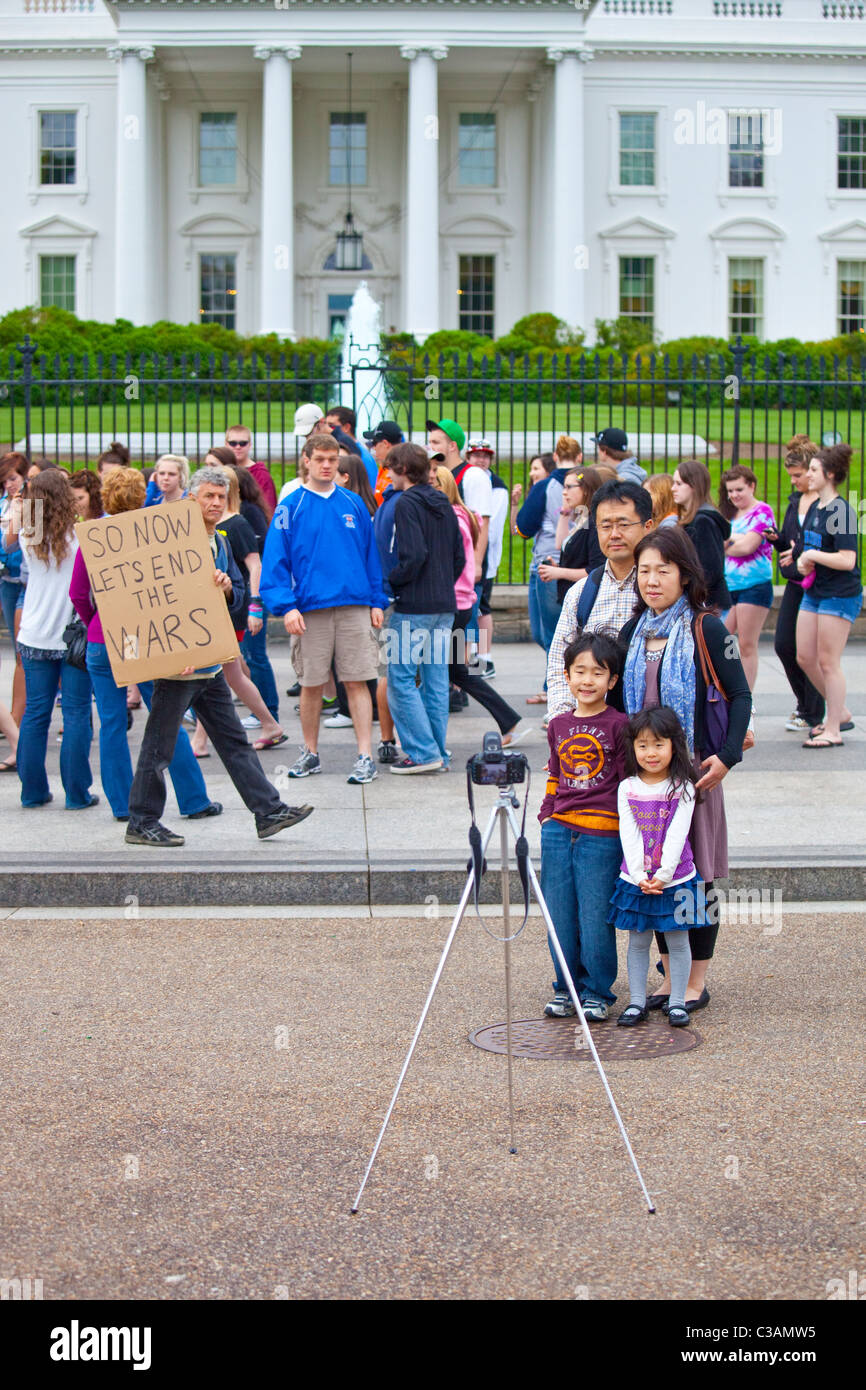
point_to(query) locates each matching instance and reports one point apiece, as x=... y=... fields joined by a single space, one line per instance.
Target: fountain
x=363 y=384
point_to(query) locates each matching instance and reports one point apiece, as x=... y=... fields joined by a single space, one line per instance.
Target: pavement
x=190 y=1104
x=797 y=819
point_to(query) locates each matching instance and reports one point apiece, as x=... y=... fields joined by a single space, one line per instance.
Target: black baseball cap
x=386 y=429
x=611 y=438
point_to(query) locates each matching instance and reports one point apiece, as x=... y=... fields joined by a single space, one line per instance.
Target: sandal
x=844 y=728
x=821 y=741
x=678 y=1018
x=9 y=767
x=273 y=742
x=635 y=1013
x=536 y=699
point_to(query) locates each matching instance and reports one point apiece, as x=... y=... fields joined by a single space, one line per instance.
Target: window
x=745 y=151
x=475 y=295
x=57 y=164
x=746 y=313
x=338 y=313
x=476 y=150
x=348 y=147
x=637 y=288
x=637 y=149
x=218 y=292
x=852 y=296
x=218 y=147
x=851 y=159
x=57 y=282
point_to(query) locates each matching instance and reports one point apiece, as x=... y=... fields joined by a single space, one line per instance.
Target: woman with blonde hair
x=241 y=540
x=464 y=593
x=123 y=490
x=49 y=547
x=658 y=485
x=170 y=478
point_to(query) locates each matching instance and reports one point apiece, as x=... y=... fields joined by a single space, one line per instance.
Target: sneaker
x=796 y=724
x=338 y=721
x=488 y=672
x=328 y=702
x=363 y=771
x=387 y=751
x=281 y=819
x=455 y=702
x=594 y=1011
x=307 y=765
x=189 y=717
x=560 y=1006
x=214 y=809
x=251 y=722
x=406 y=768
x=158 y=835
x=294 y=690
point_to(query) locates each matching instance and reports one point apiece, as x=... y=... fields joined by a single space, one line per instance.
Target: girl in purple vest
x=658 y=888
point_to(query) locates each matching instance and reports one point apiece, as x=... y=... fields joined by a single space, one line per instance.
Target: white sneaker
x=251 y=722
x=338 y=721
x=796 y=724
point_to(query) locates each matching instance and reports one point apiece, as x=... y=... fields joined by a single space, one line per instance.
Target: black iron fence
x=721 y=408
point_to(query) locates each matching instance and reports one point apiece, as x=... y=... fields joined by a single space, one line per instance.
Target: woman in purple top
x=123 y=490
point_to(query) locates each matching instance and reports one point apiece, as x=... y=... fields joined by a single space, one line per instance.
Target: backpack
x=588 y=596
x=458 y=475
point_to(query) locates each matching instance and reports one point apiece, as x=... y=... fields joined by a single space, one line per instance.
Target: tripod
x=503 y=812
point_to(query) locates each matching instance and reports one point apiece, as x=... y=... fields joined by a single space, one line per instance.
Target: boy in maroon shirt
x=580 y=847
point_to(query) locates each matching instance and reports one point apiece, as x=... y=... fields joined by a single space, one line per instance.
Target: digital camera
x=494 y=766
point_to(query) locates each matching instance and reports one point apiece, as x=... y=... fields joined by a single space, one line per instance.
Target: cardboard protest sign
x=151 y=575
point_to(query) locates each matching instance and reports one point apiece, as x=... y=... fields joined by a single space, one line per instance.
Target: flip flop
x=273 y=742
x=202 y=755
x=536 y=699
x=8 y=767
x=844 y=728
x=821 y=742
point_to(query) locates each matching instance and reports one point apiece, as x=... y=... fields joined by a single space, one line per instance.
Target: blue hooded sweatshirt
x=320 y=552
x=386 y=535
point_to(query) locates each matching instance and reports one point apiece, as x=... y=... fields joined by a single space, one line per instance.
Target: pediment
x=57 y=226
x=216 y=224
x=638 y=227
x=480 y=224
x=748 y=229
x=849 y=231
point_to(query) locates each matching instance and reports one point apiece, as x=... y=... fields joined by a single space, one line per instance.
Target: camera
x=494 y=767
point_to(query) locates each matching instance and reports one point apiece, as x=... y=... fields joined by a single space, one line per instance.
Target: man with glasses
x=239 y=440
x=622 y=513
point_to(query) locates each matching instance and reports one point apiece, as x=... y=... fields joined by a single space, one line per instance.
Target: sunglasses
x=238 y=443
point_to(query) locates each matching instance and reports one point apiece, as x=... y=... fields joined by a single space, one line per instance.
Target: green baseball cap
x=451 y=428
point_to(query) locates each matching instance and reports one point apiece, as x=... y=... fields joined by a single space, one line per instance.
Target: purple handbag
x=716 y=705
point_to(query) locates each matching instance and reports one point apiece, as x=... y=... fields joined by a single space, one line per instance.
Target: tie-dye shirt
x=742 y=571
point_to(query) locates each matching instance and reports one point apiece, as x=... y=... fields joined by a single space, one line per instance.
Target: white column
x=278 y=213
x=421 y=257
x=568 y=251
x=132 y=262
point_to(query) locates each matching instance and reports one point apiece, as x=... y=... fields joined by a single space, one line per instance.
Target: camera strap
x=477 y=865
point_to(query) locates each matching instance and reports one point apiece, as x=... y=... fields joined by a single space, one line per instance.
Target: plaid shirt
x=614 y=605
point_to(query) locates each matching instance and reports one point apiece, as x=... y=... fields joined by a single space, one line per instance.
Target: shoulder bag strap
x=707 y=668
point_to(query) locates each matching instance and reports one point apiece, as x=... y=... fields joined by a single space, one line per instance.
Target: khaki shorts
x=341 y=635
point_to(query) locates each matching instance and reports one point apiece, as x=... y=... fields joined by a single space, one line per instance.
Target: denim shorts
x=847 y=608
x=761 y=595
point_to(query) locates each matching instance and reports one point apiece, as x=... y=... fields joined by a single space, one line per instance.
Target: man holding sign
x=204 y=690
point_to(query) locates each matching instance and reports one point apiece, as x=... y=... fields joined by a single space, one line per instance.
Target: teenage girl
x=658 y=884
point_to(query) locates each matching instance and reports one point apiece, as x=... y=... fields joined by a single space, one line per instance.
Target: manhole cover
x=562 y=1039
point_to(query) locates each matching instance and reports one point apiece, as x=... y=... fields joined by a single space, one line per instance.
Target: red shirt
x=266 y=483
x=586 y=766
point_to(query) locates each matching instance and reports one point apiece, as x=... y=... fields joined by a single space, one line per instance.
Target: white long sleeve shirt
x=654 y=831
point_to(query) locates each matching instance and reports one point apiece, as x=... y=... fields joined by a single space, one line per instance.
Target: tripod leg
x=506 y=932
x=563 y=965
x=464 y=901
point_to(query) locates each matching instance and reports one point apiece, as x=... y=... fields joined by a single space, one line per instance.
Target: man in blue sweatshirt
x=430 y=559
x=321 y=573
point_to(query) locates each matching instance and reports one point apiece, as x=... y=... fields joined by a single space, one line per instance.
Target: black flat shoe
x=632 y=1015
x=678 y=1018
x=701 y=1002
x=657 y=1001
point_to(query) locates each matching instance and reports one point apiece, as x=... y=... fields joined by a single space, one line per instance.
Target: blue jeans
x=42 y=681
x=255 y=651
x=544 y=611
x=419 y=641
x=578 y=876
x=10 y=592
x=115 y=764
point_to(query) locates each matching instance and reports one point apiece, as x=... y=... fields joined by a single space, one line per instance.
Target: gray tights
x=677 y=945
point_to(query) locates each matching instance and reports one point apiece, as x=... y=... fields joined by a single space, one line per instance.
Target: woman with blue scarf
x=663 y=667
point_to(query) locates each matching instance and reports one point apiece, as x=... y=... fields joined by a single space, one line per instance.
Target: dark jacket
x=530 y=518
x=430 y=550
x=791 y=534
x=386 y=534
x=708 y=532
x=732 y=678
x=580 y=552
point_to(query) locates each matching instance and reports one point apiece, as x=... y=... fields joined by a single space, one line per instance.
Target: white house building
x=700 y=164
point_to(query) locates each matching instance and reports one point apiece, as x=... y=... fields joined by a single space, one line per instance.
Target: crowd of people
x=380 y=558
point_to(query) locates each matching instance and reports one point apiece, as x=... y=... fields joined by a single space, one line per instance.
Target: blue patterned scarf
x=677 y=676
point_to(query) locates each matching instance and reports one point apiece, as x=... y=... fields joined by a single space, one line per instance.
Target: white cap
x=307 y=416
